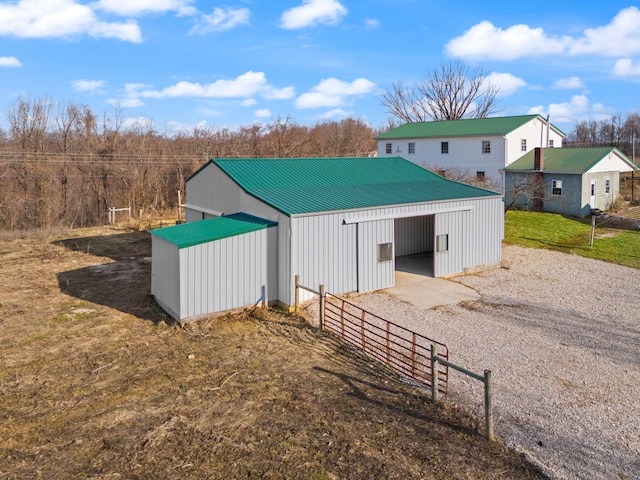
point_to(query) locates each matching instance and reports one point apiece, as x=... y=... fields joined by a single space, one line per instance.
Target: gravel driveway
x=561 y=334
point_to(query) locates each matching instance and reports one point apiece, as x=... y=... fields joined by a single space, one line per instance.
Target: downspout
x=548 y=130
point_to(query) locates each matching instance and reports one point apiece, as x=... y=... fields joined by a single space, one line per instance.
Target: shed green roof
x=459 y=128
x=310 y=185
x=195 y=233
x=567 y=159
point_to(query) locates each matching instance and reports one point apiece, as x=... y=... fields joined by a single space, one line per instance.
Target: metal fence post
x=321 y=307
x=297 y=304
x=488 y=405
x=434 y=374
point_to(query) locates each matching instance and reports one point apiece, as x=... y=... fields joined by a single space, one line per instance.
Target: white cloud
x=626 y=68
x=247 y=85
x=263 y=113
x=618 y=38
x=249 y=102
x=91 y=86
x=144 y=7
x=571 y=83
x=10 y=62
x=486 y=41
x=312 y=13
x=60 y=18
x=573 y=111
x=272 y=93
x=372 y=23
x=331 y=92
x=222 y=19
x=338 y=113
x=506 y=82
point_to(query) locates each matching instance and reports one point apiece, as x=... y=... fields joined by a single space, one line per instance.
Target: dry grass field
x=96 y=382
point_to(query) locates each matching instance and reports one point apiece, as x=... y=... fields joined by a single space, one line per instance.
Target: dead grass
x=97 y=383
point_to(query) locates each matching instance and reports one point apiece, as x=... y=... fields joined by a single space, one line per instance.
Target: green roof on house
x=310 y=185
x=568 y=160
x=203 y=231
x=461 y=128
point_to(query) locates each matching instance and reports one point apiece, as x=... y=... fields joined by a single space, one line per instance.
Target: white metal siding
x=373 y=275
x=225 y=274
x=165 y=275
x=413 y=235
x=453 y=260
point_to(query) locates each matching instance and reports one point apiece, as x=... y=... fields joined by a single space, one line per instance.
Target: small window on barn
x=442 y=243
x=486 y=146
x=607 y=186
x=385 y=252
x=523 y=144
x=444 y=147
x=388 y=149
x=412 y=148
x=556 y=187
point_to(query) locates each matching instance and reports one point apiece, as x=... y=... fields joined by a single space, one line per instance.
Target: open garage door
x=414 y=244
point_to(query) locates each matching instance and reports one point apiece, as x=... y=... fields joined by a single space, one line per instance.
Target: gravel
x=561 y=334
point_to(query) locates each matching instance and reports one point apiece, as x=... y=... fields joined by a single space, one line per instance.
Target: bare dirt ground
x=97 y=383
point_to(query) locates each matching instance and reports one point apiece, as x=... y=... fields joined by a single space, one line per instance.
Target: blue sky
x=187 y=63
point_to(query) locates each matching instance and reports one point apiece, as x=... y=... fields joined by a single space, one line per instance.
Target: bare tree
x=450 y=92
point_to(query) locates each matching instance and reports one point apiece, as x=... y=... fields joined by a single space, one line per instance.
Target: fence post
x=488 y=405
x=297 y=301
x=321 y=307
x=434 y=374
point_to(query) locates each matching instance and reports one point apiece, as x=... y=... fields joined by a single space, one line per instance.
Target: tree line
x=618 y=131
x=62 y=165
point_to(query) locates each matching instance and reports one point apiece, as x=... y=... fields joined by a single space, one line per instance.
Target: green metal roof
x=567 y=160
x=309 y=185
x=458 y=128
x=202 y=231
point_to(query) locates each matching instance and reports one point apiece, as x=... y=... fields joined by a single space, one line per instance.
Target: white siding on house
x=611 y=163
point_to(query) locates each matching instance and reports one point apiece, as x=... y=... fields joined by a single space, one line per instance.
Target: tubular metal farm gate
x=407 y=352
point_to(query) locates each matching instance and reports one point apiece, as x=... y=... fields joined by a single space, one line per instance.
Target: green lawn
x=555 y=232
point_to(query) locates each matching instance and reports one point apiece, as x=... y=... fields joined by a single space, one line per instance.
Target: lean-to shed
x=214 y=265
x=341 y=222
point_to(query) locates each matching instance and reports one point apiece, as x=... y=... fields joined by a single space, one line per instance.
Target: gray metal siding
x=226 y=274
x=413 y=235
x=165 y=275
x=453 y=260
x=373 y=275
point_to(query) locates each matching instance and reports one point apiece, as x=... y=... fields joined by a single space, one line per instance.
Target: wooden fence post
x=488 y=405
x=321 y=307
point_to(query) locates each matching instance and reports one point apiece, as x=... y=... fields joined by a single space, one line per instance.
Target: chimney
x=538 y=158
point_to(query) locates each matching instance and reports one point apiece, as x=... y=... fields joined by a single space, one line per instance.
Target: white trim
x=195 y=208
x=375 y=218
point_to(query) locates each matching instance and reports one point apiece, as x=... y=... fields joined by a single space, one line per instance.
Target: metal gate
x=407 y=352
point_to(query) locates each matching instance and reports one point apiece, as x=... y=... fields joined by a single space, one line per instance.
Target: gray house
x=341 y=222
x=569 y=181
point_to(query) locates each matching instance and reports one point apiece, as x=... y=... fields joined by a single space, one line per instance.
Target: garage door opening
x=414 y=245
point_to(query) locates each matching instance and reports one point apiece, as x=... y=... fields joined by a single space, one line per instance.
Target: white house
x=341 y=222
x=479 y=148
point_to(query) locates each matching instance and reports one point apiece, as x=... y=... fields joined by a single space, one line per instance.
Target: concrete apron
x=428 y=292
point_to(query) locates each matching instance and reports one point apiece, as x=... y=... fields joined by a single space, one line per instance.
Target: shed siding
x=224 y=274
x=165 y=275
x=453 y=259
x=372 y=274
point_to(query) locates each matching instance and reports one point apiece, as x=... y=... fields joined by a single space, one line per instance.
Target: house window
x=444 y=147
x=388 y=149
x=442 y=173
x=385 y=252
x=607 y=186
x=486 y=146
x=551 y=143
x=523 y=144
x=412 y=148
x=442 y=243
x=556 y=187
x=480 y=176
